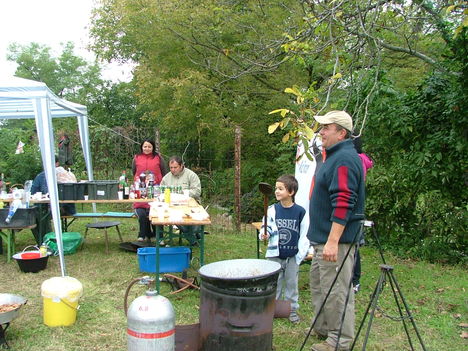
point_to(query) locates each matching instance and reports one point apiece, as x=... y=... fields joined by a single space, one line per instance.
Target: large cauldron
x=237 y=305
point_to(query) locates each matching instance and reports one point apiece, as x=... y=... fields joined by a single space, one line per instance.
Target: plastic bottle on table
x=167 y=195
x=126 y=188
x=122 y=181
x=12 y=210
x=131 y=194
x=27 y=192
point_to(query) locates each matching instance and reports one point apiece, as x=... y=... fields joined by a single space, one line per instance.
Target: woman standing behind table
x=147 y=160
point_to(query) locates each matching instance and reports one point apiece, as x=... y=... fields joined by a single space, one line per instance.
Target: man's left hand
x=330 y=252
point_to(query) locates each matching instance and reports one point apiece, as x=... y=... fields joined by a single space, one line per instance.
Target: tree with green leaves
x=111 y=106
x=401 y=70
x=193 y=75
x=346 y=48
x=206 y=66
x=68 y=76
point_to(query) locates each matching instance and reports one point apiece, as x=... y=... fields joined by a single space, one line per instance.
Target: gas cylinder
x=151 y=323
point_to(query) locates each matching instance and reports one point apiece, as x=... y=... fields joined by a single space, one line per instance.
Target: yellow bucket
x=60 y=297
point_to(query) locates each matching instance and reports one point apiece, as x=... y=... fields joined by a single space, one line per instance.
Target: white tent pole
x=84 y=138
x=46 y=143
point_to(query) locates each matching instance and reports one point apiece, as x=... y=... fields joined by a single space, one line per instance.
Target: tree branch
x=411 y=52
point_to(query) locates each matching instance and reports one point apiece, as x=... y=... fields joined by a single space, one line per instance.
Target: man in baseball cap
x=336 y=126
x=338 y=117
x=336 y=210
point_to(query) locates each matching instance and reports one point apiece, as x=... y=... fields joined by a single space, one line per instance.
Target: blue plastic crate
x=171 y=259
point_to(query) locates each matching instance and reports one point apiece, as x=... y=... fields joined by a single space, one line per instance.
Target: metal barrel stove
x=237 y=305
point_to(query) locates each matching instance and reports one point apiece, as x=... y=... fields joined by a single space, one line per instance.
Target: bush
x=417 y=192
x=443 y=228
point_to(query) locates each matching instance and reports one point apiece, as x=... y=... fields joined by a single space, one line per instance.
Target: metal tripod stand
x=386 y=275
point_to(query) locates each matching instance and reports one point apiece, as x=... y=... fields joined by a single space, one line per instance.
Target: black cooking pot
x=237 y=304
x=31 y=265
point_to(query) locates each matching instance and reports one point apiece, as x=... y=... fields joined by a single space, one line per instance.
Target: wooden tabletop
x=113 y=201
x=183 y=218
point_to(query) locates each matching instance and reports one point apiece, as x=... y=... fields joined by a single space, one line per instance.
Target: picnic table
x=190 y=218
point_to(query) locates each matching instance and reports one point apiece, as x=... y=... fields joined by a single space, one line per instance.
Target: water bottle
x=131 y=194
x=150 y=180
x=157 y=191
x=12 y=210
x=150 y=190
x=27 y=192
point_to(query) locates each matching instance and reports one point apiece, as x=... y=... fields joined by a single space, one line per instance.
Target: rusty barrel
x=237 y=305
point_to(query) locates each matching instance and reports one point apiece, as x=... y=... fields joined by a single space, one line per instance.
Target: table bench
x=189 y=226
x=7 y=234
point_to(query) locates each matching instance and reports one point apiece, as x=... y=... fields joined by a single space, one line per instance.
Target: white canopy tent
x=23 y=98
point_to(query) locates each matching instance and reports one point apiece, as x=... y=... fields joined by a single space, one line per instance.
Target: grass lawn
x=437 y=296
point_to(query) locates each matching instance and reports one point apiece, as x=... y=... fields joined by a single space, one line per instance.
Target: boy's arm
x=270 y=224
x=261 y=233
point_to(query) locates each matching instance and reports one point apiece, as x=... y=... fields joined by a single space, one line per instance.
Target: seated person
x=179 y=175
x=40 y=185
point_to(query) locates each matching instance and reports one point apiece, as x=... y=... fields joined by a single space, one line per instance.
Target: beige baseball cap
x=338 y=117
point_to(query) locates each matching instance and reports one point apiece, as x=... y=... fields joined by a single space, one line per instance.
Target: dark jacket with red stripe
x=338 y=194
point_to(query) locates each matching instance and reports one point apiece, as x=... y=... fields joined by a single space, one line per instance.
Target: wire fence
x=224 y=223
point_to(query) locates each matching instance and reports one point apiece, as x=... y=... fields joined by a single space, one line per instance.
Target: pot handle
x=35 y=246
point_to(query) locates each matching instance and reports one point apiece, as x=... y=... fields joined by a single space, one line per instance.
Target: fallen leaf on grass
x=463 y=325
x=440 y=290
x=457 y=316
x=464 y=335
x=422 y=301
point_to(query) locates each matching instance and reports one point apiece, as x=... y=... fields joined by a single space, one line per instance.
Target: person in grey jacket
x=179 y=175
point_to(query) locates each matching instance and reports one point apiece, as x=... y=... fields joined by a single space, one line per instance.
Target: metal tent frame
x=23 y=98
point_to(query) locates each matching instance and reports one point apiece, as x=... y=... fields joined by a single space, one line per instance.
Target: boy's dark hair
x=290 y=182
